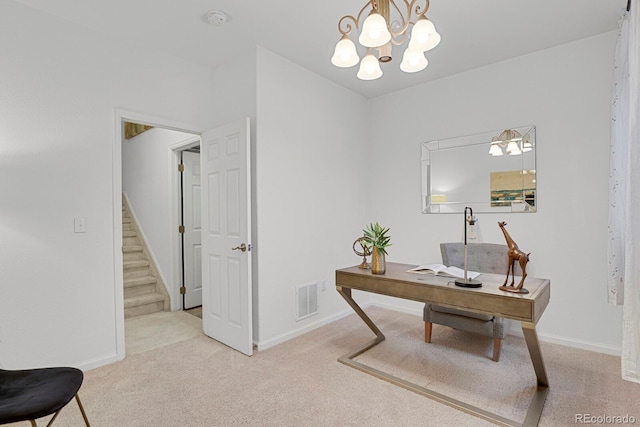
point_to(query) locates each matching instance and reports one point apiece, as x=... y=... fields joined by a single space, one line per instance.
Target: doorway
x=148 y=165
x=225 y=202
x=190 y=230
x=146 y=180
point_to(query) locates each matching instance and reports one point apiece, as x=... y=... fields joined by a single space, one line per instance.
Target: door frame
x=174 y=161
x=120 y=116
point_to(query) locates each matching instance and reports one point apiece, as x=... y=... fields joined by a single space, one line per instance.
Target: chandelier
x=386 y=24
x=511 y=142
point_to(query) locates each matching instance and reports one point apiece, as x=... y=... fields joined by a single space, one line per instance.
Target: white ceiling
x=474 y=32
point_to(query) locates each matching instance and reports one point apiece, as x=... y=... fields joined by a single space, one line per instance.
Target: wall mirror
x=490 y=172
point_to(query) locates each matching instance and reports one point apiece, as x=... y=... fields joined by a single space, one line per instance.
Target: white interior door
x=191 y=217
x=226 y=225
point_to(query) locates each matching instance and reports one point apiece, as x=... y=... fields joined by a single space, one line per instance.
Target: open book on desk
x=443 y=270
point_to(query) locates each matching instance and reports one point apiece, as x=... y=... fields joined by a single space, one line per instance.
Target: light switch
x=80 y=225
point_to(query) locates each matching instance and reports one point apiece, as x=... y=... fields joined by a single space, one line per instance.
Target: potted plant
x=376 y=240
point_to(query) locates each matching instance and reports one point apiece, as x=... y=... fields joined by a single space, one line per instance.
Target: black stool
x=29 y=394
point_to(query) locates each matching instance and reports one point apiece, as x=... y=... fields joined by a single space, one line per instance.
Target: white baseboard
x=396 y=308
x=515 y=330
x=98 y=362
x=263 y=345
x=571 y=342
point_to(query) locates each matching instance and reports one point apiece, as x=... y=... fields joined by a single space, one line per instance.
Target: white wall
x=233 y=90
x=148 y=166
x=313 y=146
x=565 y=91
x=60 y=86
x=311 y=173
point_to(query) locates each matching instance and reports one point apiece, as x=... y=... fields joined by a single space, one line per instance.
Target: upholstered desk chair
x=30 y=394
x=481 y=257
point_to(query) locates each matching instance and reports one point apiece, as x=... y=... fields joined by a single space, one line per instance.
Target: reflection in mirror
x=489 y=172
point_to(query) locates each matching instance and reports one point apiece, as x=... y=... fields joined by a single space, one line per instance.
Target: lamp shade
x=495 y=150
x=424 y=36
x=413 y=60
x=374 y=31
x=345 y=54
x=369 y=68
x=513 y=149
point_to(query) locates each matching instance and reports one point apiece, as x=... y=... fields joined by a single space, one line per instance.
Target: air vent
x=307 y=300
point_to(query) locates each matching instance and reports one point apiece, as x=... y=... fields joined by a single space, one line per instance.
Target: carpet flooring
x=197 y=311
x=196 y=381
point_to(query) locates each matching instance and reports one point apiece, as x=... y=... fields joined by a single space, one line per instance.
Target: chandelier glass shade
x=374 y=31
x=369 y=67
x=510 y=142
x=386 y=25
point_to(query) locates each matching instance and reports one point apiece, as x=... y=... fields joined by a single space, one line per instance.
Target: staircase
x=144 y=292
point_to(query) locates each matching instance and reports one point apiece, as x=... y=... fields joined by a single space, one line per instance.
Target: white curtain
x=624 y=222
x=618 y=165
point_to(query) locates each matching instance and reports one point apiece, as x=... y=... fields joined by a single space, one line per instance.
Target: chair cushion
x=478 y=316
x=34 y=393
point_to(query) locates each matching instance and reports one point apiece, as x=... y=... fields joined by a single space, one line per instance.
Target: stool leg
x=84 y=415
x=52 y=419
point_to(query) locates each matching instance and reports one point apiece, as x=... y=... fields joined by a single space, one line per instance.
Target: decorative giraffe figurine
x=515 y=254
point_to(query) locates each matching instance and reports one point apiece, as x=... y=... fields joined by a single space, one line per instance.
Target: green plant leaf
x=375 y=235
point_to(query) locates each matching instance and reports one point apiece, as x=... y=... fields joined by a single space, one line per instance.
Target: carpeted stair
x=142 y=290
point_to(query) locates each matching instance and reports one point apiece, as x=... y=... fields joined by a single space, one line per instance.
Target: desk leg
x=537 y=402
x=454 y=403
x=346 y=294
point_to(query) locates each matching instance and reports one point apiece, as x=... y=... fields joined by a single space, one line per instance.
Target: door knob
x=242 y=247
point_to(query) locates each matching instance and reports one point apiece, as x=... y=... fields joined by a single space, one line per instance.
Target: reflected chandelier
x=386 y=24
x=512 y=142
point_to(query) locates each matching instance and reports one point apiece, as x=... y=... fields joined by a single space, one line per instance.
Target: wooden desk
x=396 y=282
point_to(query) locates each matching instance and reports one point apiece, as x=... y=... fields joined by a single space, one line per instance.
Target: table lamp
x=466 y=282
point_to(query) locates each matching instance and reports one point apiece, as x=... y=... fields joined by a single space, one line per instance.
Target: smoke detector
x=216 y=17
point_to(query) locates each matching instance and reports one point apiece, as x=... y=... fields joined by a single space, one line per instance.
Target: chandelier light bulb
x=413 y=61
x=422 y=38
x=424 y=35
x=380 y=26
x=511 y=142
x=369 y=68
x=513 y=149
x=495 y=150
x=374 y=31
x=345 y=54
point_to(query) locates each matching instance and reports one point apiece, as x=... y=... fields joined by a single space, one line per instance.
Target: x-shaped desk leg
x=535 y=407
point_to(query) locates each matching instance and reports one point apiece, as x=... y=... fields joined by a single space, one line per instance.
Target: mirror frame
x=510 y=187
